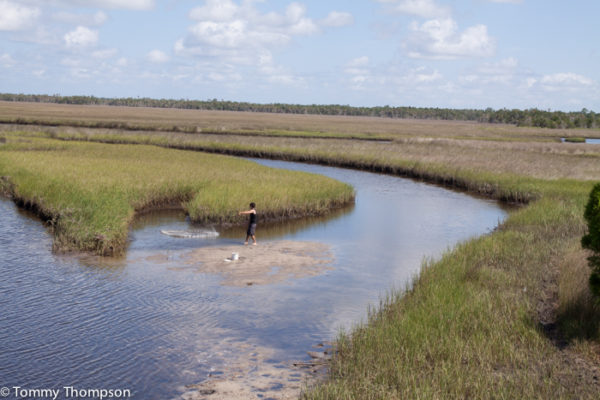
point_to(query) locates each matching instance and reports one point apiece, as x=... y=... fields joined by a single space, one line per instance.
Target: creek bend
x=154 y=327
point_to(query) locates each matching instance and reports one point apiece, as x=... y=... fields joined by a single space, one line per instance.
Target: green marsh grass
x=90 y=191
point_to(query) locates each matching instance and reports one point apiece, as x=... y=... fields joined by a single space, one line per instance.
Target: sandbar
x=266 y=263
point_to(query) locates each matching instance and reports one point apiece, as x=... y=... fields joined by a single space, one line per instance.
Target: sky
x=522 y=54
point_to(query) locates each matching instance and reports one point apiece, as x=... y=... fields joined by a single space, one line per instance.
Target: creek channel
x=154 y=327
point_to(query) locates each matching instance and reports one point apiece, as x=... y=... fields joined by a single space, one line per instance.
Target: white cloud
x=157 y=56
x=439 y=36
x=215 y=10
x=440 y=39
x=295 y=23
x=81 y=37
x=358 y=66
x=122 y=62
x=6 y=60
x=413 y=78
x=128 y=4
x=337 y=19
x=227 y=30
x=358 y=62
x=236 y=35
x=529 y=82
x=505 y=71
x=419 y=8
x=71 y=62
x=14 y=17
x=564 y=82
x=275 y=73
x=96 y=19
x=507 y=1
x=362 y=76
x=112 y=4
x=421 y=76
x=105 y=53
x=566 y=79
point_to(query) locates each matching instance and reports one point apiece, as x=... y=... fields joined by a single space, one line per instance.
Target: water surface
x=586 y=140
x=132 y=323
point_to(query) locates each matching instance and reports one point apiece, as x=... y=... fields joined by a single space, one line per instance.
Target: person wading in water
x=251 y=223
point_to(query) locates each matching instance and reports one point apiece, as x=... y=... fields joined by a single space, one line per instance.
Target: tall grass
x=89 y=192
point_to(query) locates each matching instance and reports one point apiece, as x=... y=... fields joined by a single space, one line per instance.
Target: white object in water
x=192 y=234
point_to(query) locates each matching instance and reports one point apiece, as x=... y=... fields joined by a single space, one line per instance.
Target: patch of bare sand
x=265 y=263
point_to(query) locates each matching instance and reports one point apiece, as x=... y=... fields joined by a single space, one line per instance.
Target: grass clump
x=575 y=139
x=90 y=192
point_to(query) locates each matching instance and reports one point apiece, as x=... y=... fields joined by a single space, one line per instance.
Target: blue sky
x=425 y=53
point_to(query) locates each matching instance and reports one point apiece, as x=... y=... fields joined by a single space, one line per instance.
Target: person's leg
x=248 y=233
x=253 y=239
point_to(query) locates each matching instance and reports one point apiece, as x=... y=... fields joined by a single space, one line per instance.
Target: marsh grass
x=89 y=192
x=578 y=313
x=575 y=139
x=518 y=159
x=476 y=323
x=193 y=129
x=224 y=121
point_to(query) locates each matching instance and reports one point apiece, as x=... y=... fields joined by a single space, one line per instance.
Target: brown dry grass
x=545 y=160
x=496 y=148
x=229 y=120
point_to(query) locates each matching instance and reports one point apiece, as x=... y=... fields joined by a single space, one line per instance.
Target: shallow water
x=142 y=325
x=587 y=140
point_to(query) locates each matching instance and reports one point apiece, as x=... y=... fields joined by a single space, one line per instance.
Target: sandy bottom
x=265 y=263
x=249 y=376
x=246 y=370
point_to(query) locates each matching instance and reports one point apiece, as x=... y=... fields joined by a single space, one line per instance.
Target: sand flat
x=266 y=263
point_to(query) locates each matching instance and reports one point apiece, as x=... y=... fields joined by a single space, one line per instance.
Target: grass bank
x=90 y=192
x=494 y=318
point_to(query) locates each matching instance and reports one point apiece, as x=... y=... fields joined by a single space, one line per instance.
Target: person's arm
x=247 y=212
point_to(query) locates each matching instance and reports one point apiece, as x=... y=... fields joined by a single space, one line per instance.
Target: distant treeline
x=530 y=117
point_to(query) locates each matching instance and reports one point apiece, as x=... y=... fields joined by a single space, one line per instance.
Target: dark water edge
x=132 y=323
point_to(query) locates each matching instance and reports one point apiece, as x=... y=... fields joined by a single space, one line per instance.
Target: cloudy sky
x=431 y=53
